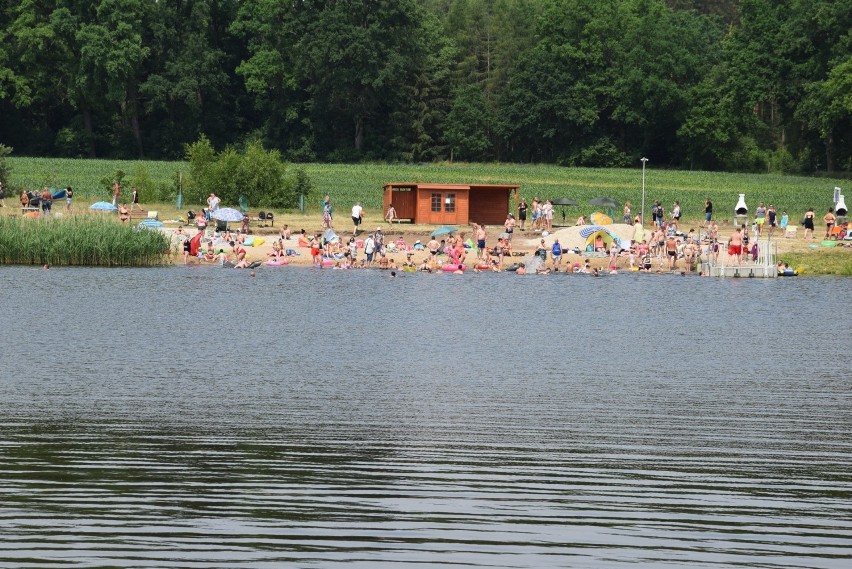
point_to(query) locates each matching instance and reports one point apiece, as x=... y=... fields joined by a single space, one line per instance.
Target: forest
x=734 y=85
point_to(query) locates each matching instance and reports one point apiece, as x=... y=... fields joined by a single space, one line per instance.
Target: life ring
x=482 y=267
x=451 y=268
x=787 y=273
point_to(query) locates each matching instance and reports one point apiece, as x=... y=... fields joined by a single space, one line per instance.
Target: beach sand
x=524 y=243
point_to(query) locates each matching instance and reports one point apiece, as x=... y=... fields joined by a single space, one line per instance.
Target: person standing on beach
x=708 y=212
x=379 y=239
x=676 y=212
x=134 y=203
x=433 y=246
x=479 y=232
x=46 y=201
x=391 y=214
x=509 y=225
x=522 y=212
x=213 y=202
x=760 y=217
x=123 y=213
x=772 y=218
x=369 y=248
x=357 y=215
x=735 y=245
x=547 y=210
x=69 y=195
x=671 y=251
x=556 y=254
x=829 y=220
x=808 y=223
x=315 y=250
x=116 y=193
x=626 y=217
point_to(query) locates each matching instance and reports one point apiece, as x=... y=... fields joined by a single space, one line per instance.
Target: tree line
x=742 y=85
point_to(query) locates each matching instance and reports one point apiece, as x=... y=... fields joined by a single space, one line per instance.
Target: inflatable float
x=277 y=263
x=451 y=268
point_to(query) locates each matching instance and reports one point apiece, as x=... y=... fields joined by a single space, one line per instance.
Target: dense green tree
x=737 y=84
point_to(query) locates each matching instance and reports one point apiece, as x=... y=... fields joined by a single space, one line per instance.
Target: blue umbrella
x=227 y=214
x=150 y=224
x=103 y=206
x=443 y=231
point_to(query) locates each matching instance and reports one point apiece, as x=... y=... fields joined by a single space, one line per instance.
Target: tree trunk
x=829 y=154
x=87 y=127
x=133 y=109
x=359 y=133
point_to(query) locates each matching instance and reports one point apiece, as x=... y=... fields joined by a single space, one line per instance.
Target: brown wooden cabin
x=449 y=204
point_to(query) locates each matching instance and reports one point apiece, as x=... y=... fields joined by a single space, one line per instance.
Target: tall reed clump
x=89 y=240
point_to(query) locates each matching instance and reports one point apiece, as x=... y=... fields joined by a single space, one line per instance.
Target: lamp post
x=643 y=190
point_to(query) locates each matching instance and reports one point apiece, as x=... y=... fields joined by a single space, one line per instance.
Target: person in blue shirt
x=556 y=254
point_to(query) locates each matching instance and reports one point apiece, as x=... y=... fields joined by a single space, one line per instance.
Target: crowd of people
x=661 y=247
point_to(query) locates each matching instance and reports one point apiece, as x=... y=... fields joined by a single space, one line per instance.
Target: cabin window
x=436 y=202
x=450 y=203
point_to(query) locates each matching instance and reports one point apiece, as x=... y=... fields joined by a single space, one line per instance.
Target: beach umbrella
x=599 y=218
x=150 y=224
x=605 y=202
x=103 y=206
x=330 y=236
x=563 y=202
x=443 y=231
x=227 y=214
x=588 y=230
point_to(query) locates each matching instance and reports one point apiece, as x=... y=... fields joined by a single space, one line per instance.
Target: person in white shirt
x=357 y=215
x=213 y=202
x=369 y=249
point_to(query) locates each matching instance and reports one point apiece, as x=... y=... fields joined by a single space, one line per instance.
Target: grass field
x=347 y=183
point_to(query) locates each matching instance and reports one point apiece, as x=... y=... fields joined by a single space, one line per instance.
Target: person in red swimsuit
x=735 y=245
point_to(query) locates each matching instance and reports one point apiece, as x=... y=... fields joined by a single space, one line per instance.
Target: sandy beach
x=405 y=236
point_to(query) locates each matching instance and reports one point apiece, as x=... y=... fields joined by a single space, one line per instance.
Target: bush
x=257 y=174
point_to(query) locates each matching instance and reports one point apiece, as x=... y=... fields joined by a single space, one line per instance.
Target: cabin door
x=443 y=207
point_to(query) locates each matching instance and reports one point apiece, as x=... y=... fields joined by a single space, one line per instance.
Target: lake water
x=197 y=417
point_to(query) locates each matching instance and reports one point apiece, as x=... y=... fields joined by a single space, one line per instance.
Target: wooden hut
x=449 y=204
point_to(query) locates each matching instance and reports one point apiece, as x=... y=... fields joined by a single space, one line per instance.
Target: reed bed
x=81 y=240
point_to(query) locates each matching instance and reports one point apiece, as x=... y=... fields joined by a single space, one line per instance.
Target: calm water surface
x=195 y=417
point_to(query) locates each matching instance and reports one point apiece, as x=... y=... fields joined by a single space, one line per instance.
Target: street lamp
x=643 y=190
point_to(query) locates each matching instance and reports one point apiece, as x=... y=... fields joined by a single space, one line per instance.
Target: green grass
x=347 y=183
x=822 y=261
x=87 y=240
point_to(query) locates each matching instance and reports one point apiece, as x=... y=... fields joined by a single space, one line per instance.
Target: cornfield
x=89 y=240
x=348 y=183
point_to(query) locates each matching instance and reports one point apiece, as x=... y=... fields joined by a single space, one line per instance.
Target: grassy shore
x=822 y=261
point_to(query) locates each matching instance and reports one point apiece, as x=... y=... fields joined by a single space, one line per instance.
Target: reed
x=82 y=240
